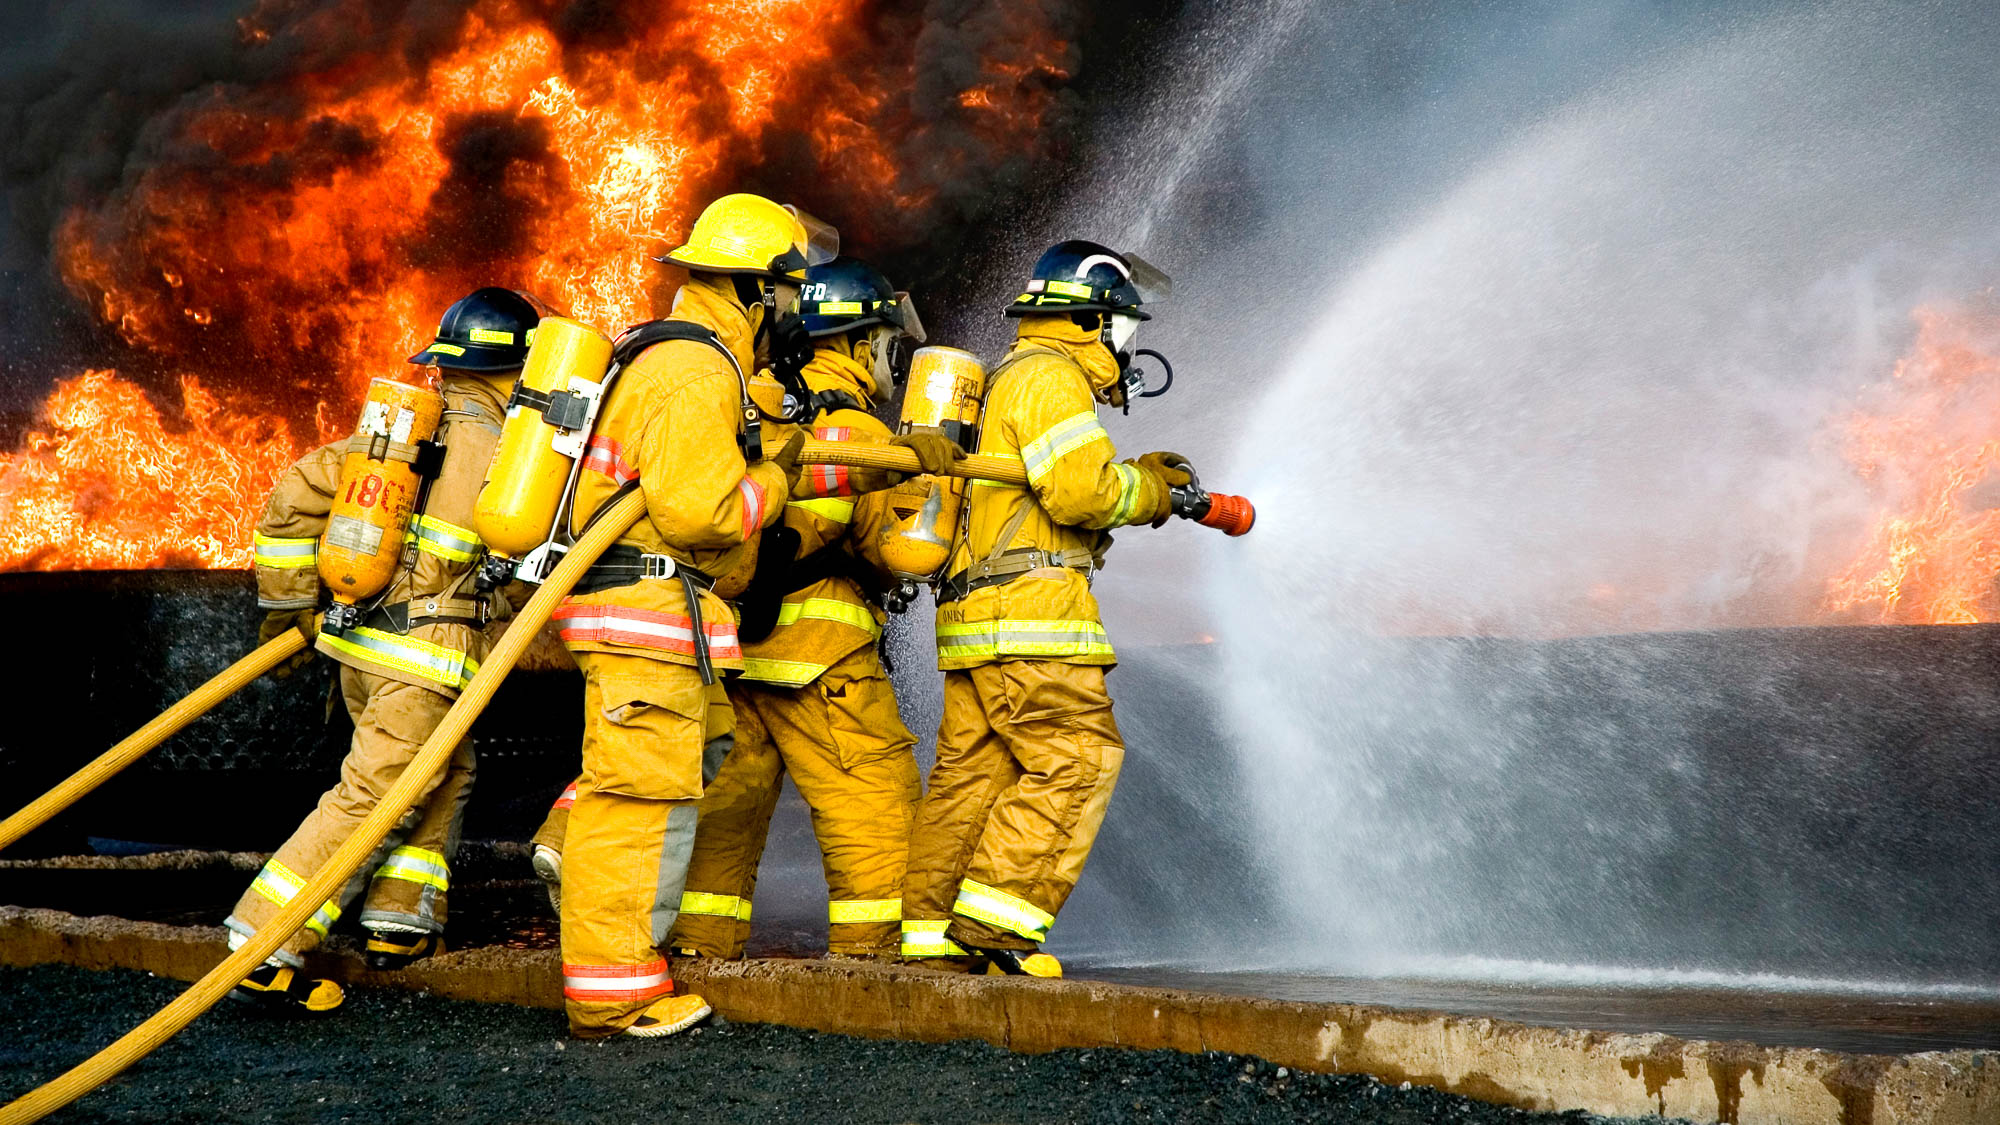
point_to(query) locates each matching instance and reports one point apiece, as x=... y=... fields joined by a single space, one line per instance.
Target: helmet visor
x=1151 y=281
x=904 y=314
x=822 y=238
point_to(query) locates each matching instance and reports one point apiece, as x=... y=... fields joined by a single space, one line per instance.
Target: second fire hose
x=203 y=994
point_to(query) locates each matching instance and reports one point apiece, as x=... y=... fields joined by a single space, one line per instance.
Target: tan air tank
x=548 y=424
x=362 y=546
x=943 y=395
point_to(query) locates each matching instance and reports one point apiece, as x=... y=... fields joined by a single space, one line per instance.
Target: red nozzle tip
x=1231 y=515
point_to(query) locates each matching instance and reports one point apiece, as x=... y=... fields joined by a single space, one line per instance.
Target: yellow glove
x=935 y=452
x=280 y=621
x=1170 y=467
x=787 y=458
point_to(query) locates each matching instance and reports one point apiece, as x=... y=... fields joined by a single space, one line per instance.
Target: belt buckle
x=656 y=566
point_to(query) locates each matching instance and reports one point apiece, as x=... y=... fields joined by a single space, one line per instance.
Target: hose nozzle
x=1231 y=515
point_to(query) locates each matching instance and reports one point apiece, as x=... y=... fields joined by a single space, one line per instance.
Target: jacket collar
x=834 y=371
x=1080 y=345
x=712 y=303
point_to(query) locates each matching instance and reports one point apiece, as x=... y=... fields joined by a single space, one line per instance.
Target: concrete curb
x=1492 y=1060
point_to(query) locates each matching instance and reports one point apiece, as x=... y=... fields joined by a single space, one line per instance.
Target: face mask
x=791 y=344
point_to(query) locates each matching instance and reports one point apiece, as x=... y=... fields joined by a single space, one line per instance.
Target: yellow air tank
x=547 y=426
x=362 y=545
x=944 y=393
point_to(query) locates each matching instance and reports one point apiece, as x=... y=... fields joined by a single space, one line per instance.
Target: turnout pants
x=1027 y=757
x=406 y=880
x=846 y=748
x=653 y=734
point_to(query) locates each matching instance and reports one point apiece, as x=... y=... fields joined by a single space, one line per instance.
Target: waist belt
x=625 y=565
x=1009 y=565
x=435 y=611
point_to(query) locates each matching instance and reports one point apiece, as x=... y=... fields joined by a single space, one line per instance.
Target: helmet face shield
x=904 y=312
x=1152 y=282
x=822 y=238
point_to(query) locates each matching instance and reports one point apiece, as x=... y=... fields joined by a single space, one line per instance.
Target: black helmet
x=848 y=293
x=1078 y=276
x=490 y=330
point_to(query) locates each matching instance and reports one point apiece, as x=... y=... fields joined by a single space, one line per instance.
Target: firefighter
x=1028 y=750
x=647 y=628
x=814 y=698
x=416 y=646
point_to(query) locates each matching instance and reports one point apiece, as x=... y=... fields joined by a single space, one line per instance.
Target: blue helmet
x=487 y=330
x=847 y=293
x=1078 y=276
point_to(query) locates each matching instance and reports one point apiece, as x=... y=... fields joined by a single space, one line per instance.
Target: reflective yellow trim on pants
x=284 y=554
x=829 y=609
x=281 y=885
x=856 y=910
x=715 y=906
x=436 y=663
x=445 y=540
x=1023 y=638
x=783 y=673
x=926 y=939
x=416 y=865
x=998 y=908
x=831 y=508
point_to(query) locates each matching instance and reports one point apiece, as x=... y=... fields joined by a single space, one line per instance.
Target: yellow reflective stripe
x=436 y=663
x=831 y=508
x=280 y=884
x=446 y=540
x=416 y=865
x=784 y=673
x=926 y=939
x=829 y=609
x=716 y=906
x=1068 y=289
x=284 y=554
x=446 y=349
x=1023 y=638
x=848 y=911
x=1073 y=432
x=1129 y=484
x=998 y=908
x=490 y=336
x=830 y=308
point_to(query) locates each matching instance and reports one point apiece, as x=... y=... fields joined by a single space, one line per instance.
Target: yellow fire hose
x=164 y=726
x=238 y=675
x=203 y=994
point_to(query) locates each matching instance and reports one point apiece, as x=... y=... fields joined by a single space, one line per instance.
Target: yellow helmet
x=746 y=233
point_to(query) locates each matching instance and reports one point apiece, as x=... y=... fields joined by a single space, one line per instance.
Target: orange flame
x=308 y=235
x=1929 y=450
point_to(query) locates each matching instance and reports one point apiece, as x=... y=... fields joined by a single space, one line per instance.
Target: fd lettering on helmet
x=814 y=291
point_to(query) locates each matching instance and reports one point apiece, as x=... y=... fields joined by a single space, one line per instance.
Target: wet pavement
x=391 y=1056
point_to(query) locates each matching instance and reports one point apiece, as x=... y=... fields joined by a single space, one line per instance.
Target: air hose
x=202 y=995
x=141 y=742
x=1232 y=515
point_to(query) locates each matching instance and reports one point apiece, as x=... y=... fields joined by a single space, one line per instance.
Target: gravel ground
x=399 y=1057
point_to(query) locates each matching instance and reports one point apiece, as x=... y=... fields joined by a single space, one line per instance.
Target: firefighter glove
x=935 y=452
x=788 y=457
x=277 y=623
x=1170 y=467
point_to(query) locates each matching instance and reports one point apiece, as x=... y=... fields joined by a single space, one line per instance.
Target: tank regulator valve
x=495 y=571
x=340 y=617
x=899 y=598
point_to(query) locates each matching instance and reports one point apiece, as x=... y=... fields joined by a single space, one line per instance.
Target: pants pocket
x=643 y=736
x=861 y=716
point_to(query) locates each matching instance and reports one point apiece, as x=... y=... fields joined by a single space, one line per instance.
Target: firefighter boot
x=281 y=988
x=548 y=868
x=392 y=947
x=1019 y=962
x=669 y=1015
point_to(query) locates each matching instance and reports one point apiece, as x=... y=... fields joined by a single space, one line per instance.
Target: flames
x=287 y=241
x=1928 y=448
